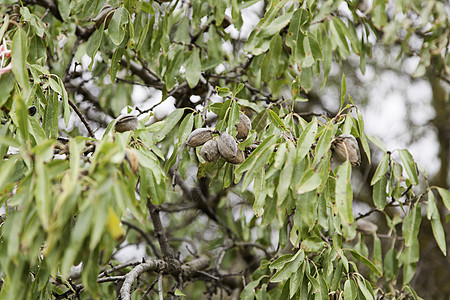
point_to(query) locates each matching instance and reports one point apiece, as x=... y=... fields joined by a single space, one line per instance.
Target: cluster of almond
x=225 y=145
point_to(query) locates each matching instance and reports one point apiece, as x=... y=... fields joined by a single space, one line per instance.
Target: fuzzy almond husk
x=199 y=136
x=346 y=147
x=210 y=151
x=243 y=127
x=126 y=123
x=227 y=146
x=238 y=159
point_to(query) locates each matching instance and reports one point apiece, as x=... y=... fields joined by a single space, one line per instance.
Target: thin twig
x=82 y=118
x=118 y=267
x=145 y=236
x=166 y=249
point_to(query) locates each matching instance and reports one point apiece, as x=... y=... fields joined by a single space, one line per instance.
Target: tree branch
x=82 y=118
x=145 y=236
x=166 y=249
x=160 y=266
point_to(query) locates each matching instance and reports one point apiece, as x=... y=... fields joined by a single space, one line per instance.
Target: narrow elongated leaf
x=286 y=174
x=260 y=193
x=445 y=195
x=42 y=193
x=379 y=193
x=276 y=120
x=381 y=169
x=409 y=165
x=436 y=225
x=350 y=291
x=431 y=206
x=250 y=161
x=411 y=225
x=324 y=143
x=379 y=13
x=362 y=136
x=344 y=194
x=22 y=116
x=306 y=139
x=310 y=181
x=364 y=290
x=365 y=261
x=193 y=68
x=19 y=54
x=170 y=122
x=343 y=90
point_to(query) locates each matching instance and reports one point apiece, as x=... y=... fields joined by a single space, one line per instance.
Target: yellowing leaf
x=114 y=226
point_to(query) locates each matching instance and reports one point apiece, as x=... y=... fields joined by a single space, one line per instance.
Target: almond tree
x=222 y=180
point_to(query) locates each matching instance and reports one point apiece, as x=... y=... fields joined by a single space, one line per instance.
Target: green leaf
x=350 y=291
x=22 y=118
x=281 y=261
x=431 y=205
x=250 y=161
x=445 y=195
x=289 y=268
x=296 y=34
x=381 y=170
x=179 y=293
x=339 y=37
x=379 y=193
x=365 y=261
x=309 y=182
x=323 y=145
x=306 y=139
x=248 y=293
x=118 y=28
x=260 y=191
x=280 y=156
x=276 y=120
x=362 y=135
x=344 y=194
x=379 y=13
x=343 y=90
x=364 y=290
x=42 y=193
x=377 y=142
x=409 y=165
x=436 y=225
x=6 y=168
x=185 y=128
x=193 y=68
x=115 y=62
x=411 y=225
x=19 y=54
x=439 y=234
x=286 y=174
x=170 y=122
x=93 y=43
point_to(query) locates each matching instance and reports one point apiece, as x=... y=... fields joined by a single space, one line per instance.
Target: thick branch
x=158 y=266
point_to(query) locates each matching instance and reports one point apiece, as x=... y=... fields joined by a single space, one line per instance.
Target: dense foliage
x=282 y=224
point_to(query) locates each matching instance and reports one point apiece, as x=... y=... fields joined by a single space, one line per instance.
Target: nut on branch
x=199 y=136
x=210 y=151
x=227 y=146
x=238 y=159
x=126 y=123
x=346 y=147
x=243 y=127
